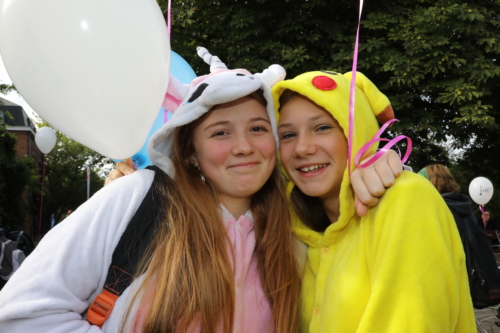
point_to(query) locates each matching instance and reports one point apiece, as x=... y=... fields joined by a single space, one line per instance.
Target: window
x=1 y=117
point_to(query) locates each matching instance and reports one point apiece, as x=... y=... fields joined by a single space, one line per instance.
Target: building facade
x=20 y=125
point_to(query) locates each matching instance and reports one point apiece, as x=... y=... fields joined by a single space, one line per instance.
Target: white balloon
x=481 y=190
x=97 y=70
x=45 y=139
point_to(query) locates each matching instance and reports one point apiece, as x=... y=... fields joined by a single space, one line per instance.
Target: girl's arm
x=369 y=184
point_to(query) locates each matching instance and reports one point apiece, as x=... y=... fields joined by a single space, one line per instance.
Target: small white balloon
x=45 y=139
x=481 y=190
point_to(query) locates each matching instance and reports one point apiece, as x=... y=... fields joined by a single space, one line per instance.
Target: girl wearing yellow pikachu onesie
x=400 y=268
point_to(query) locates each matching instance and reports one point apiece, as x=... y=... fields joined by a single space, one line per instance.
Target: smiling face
x=313 y=148
x=235 y=148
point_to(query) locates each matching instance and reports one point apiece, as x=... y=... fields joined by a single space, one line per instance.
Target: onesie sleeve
x=59 y=279
x=418 y=275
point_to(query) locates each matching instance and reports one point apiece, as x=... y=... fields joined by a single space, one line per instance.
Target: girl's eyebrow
x=260 y=118
x=225 y=122
x=308 y=120
x=284 y=125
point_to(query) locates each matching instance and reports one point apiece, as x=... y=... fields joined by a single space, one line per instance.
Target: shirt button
x=238 y=226
x=324 y=250
x=316 y=310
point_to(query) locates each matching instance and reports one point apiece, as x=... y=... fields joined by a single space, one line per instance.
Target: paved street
x=487 y=317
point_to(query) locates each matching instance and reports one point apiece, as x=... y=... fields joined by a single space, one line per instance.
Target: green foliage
x=437 y=61
x=433 y=59
x=6 y=88
x=15 y=176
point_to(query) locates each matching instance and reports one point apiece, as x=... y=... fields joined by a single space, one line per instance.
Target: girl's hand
x=370 y=183
x=122 y=169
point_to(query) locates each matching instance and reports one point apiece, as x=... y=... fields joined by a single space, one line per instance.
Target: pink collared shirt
x=252 y=311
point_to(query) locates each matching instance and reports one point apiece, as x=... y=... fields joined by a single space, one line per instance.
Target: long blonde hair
x=188 y=263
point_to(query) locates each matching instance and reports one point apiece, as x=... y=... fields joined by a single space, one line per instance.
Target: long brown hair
x=441 y=178
x=188 y=263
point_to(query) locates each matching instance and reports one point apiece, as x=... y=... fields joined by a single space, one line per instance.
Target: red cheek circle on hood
x=324 y=83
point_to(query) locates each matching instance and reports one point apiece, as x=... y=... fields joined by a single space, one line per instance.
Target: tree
x=66 y=178
x=437 y=61
x=15 y=176
x=6 y=88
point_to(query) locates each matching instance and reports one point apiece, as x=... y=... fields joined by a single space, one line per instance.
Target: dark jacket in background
x=484 y=275
x=492 y=224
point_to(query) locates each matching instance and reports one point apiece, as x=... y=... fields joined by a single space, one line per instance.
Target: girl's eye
x=287 y=135
x=220 y=133
x=323 y=128
x=259 y=129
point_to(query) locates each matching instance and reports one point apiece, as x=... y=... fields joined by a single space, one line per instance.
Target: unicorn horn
x=214 y=62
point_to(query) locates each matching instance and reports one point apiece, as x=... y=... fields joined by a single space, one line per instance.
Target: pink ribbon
x=165 y=112
x=168 y=20
x=46 y=159
x=352 y=95
x=352 y=98
x=481 y=208
x=390 y=143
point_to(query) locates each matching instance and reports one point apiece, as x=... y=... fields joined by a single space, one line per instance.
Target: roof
x=19 y=116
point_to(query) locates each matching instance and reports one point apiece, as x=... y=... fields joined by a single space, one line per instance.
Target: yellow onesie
x=399 y=269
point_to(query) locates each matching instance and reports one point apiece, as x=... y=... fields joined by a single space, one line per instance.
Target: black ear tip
x=197 y=93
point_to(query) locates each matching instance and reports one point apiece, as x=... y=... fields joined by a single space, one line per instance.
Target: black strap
x=135 y=240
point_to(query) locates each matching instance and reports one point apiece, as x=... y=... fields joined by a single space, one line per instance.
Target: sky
x=14 y=97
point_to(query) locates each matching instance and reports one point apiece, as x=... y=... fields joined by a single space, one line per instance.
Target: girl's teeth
x=312 y=168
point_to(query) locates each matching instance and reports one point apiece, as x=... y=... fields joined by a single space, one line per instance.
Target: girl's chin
x=319 y=191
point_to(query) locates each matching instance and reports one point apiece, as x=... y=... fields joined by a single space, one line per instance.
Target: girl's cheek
x=285 y=152
x=268 y=147
x=213 y=153
x=218 y=152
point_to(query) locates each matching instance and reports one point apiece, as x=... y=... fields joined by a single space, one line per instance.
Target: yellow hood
x=331 y=91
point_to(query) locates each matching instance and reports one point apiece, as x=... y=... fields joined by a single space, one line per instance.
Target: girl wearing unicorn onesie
x=400 y=268
x=222 y=259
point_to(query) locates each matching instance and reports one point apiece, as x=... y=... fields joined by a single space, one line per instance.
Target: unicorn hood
x=189 y=102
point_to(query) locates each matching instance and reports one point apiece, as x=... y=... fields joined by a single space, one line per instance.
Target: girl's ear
x=193 y=160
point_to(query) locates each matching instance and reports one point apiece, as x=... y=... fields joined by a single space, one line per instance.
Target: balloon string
x=366 y=147
x=46 y=159
x=352 y=94
x=168 y=19
x=481 y=208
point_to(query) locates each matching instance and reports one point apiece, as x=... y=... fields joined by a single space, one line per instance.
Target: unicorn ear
x=214 y=62
x=272 y=75
x=176 y=92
